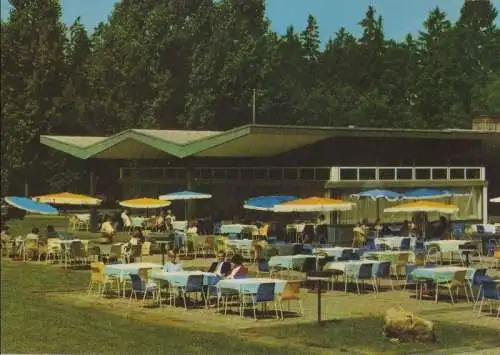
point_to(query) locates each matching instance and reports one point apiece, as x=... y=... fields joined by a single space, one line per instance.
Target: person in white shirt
x=172 y=264
x=170 y=215
x=107 y=231
x=127 y=221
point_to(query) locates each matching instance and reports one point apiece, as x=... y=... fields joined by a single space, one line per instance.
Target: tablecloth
x=394 y=242
x=290 y=261
x=446 y=246
x=444 y=274
x=181 y=278
x=251 y=284
x=122 y=270
x=351 y=267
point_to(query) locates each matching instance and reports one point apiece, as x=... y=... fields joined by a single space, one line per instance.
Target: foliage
x=195 y=64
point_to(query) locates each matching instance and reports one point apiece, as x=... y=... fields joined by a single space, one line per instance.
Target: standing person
x=127 y=221
x=220 y=267
x=170 y=215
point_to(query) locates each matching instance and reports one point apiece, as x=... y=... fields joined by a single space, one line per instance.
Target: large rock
x=405 y=326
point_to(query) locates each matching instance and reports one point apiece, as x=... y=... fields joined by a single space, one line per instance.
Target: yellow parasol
x=144 y=203
x=68 y=198
x=314 y=204
x=422 y=206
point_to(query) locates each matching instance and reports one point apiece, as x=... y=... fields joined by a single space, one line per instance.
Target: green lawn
x=32 y=323
x=35 y=322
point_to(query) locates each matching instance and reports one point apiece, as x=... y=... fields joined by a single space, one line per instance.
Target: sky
x=400 y=16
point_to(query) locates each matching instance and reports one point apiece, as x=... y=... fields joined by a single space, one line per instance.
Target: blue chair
x=384 y=272
x=405 y=244
x=458 y=230
x=489 y=292
x=365 y=273
x=194 y=284
x=141 y=284
x=477 y=279
x=265 y=293
x=411 y=280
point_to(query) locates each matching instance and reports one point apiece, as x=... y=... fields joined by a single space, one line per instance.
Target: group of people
x=227 y=269
x=41 y=238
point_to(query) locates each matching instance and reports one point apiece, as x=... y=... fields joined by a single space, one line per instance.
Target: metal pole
x=318 y=285
x=253 y=106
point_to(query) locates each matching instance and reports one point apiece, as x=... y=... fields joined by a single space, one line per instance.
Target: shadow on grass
x=364 y=335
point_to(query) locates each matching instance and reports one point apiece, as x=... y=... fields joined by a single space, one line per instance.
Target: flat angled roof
x=245 y=141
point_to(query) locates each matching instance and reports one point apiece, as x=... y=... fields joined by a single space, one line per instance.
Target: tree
x=33 y=67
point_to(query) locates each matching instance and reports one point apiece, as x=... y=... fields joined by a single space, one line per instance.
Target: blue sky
x=400 y=16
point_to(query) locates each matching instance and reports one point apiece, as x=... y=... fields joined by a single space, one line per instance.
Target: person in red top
x=238 y=270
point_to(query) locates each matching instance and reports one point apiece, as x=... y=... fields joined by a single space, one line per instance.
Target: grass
x=34 y=323
x=44 y=310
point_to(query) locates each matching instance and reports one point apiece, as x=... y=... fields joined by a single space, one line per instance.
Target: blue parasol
x=267 y=203
x=378 y=194
x=425 y=194
x=29 y=205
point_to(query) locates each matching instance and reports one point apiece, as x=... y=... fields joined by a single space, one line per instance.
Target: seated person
x=359 y=238
x=378 y=227
x=172 y=264
x=220 y=267
x=238 y=270
x=5 y=236
x=170 y=215
x=135 y=242
x=51 y=232
x=107 y=231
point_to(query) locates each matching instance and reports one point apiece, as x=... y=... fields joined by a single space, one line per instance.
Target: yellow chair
x=98 y=278
x=455 y=284
x=291 y=292
x=401 y=262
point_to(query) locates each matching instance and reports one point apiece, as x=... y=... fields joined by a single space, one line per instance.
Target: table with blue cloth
x=290 y=261
x=237 y=228
x=351 y=267
x=334 y=251
x=122 y=270
x=443 y=274
x=179 y=279
x=250 y=285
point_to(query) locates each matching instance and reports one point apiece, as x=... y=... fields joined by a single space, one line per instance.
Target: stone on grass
x=407 y=327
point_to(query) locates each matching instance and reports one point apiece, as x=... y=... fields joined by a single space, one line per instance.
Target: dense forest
x=194 y=64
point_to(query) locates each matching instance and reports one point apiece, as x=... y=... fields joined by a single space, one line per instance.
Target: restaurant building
x=255 y=159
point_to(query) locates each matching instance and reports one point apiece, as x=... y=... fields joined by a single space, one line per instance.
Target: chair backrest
x=420 y=259
x=291 y=291
x=116 y=250
x=77 y=249
x=403 y=258
x=97 y=271
x=458 y=230
x=490 y=289
x=478 y=273
x=309 y=265
x=459 y=277
x=346 y=254
x=384 y=269
x=146 y=248
x=137 y=282
x=31 y=243
x=263 y=265
x=144 y=273
x=405 y=244
x=194 y=283
x=365 y=271
x=265 y=292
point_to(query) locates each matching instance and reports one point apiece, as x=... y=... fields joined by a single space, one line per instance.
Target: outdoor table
x=122 y=270
x=388 y=255
x=180 y=278
x=291 y=261
x=350 y=267
x=443 y=274
x=447 y=246
x=237 y=228
x=334 y=251
x=394 y=242
x=251 y=285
